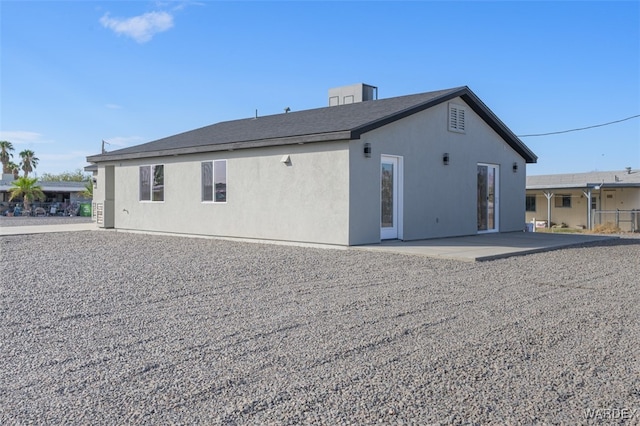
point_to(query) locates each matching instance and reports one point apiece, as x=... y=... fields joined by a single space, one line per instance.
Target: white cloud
x=140 y=28
x=19 y=137
x=113 y=106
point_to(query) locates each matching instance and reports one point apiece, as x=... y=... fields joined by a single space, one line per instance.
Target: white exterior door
x=488 y=198
x=390 y=197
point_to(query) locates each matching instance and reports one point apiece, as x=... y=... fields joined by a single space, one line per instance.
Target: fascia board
x=498 y=126
x=293 y=140
x=358 y=131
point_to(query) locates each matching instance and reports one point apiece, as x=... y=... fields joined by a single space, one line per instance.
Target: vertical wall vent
x=456 y=118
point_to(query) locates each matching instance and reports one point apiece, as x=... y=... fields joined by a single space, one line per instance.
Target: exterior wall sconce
x=515 y=167
x=286 y=159
x=445 y=158
x=367 y=150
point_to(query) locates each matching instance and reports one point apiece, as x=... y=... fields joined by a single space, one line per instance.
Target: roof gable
x=342 y=122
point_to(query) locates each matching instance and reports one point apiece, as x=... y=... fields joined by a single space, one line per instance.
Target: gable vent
x=456 y=118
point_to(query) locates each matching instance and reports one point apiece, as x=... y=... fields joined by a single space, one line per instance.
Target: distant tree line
x=76 y=176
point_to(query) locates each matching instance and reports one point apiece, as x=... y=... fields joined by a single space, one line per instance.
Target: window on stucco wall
x=530 y=203
x=214 y=181
x=152 y=183
x=563 y=201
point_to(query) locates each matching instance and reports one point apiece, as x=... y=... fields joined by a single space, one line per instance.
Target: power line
x=581 y=128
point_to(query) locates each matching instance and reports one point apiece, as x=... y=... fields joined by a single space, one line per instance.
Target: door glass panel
x=487 y=197
x=482 y=198
x=387 y=195
x=491 y=198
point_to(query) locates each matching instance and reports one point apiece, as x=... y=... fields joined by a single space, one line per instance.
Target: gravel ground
x=120 y=328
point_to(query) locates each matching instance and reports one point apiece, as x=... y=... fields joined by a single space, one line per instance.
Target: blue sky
x=73 y=73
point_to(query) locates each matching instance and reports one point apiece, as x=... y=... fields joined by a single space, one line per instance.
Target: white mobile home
x=362 y=170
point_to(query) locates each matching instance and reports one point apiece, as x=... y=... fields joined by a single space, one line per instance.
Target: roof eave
x=358 y=131
x=566 y=186
x=604 y=185
x=232 y=146
x=498 y=126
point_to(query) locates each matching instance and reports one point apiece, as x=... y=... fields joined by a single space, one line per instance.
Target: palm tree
x=27 y=189
x=13 y=168
x=29 y=161
x=88 y=190
x=5 y=155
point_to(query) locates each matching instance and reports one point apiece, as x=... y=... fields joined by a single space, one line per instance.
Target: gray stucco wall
x=305 y=201
x=439 y=200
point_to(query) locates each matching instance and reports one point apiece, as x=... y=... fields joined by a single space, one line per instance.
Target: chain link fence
x=625 y=220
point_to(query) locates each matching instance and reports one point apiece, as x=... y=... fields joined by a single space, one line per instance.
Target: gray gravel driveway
x=120 y=328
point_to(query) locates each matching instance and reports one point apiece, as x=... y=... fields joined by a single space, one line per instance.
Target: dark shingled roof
x=343 y=122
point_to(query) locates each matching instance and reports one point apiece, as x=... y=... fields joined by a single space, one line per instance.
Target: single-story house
x=59 y=195
x=585 y=200
x=361 y=170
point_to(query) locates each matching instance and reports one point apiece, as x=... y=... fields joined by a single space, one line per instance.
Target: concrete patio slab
x=485 y=246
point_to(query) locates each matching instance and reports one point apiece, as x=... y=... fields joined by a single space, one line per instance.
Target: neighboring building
x=428 y=165
x=58 y=194
x=584 y=200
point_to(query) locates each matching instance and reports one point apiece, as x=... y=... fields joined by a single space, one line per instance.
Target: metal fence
x=42 y=209
x=625 y=220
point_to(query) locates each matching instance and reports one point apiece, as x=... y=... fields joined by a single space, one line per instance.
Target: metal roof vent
x=359 y=92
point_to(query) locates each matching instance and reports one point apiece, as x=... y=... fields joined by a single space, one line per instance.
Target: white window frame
x=151 y=172
x=213 y=199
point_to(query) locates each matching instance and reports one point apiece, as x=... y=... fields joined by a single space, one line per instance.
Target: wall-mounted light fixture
x=286 y=159
x=445 y=158
x=515 y=167
x=367 y=150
